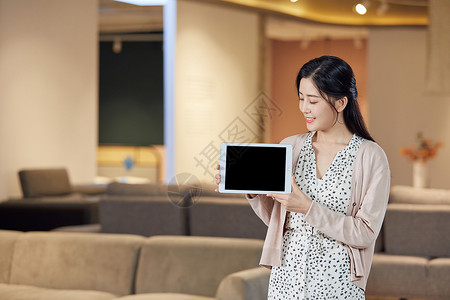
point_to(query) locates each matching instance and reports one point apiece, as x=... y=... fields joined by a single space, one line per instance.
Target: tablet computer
x=255 y=168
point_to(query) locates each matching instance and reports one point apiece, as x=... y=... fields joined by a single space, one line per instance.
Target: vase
x=420 y=174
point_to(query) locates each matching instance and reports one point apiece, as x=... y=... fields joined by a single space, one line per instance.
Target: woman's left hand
x=296 y=201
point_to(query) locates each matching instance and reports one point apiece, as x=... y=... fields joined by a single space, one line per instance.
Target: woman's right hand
x=218 y=179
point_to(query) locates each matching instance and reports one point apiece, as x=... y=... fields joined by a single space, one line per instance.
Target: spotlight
x=293 y=1
x=360 y=9
x=362 y=6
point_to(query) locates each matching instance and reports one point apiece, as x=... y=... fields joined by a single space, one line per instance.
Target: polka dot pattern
x=315 y=266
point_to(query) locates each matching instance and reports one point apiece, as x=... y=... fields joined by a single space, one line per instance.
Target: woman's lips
x=310 y=120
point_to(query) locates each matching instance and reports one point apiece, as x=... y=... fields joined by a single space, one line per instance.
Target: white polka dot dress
x=313 y=265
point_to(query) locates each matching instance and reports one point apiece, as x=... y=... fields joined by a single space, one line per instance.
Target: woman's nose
x=304 y=107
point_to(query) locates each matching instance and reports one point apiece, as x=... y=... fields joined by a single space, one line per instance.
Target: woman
x=321 y=237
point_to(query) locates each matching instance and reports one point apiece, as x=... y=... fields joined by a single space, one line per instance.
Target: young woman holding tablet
x=321 y=237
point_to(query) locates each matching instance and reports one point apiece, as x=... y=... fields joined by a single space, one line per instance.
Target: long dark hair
x=334 y=79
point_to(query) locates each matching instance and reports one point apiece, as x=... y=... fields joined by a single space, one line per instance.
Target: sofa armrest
x=251 y=284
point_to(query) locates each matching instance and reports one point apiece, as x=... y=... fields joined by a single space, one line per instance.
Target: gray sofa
x=413 y=260
x=72 y=266
x=152 y=209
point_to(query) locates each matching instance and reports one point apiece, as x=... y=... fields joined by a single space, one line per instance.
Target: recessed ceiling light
x=293 y=1
x=144 y=2
x=360 y=9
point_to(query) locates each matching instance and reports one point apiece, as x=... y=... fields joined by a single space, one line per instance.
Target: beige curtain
x=438 y=67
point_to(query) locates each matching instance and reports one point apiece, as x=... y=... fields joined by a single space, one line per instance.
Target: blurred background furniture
x=413 y=257
x=37 y=183
x=225 y=216
x=43 y=215
x=158 y=209
x=50 y=201
x=147 y=161
x=55 y=265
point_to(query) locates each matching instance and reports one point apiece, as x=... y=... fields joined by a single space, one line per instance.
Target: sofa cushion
x=417 y=229
x=145 y=189
x=164 y=296
x=409 y=194
x=25 y=292
x=7 y=242
x=398 y=276
x=439 y=278
x=146 y=216
x=193 y=265
x=44 y=182
x=225 y=217
x=65 y=260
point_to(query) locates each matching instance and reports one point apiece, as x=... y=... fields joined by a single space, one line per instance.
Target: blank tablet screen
x=255 y=168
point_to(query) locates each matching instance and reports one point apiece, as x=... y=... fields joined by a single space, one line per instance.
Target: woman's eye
x=312 y=102
x=300 y=99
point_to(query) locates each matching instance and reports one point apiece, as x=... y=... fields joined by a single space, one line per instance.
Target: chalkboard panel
x=131 y=94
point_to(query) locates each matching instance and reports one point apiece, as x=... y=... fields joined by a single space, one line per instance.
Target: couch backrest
x=147 y=216
x=157 y=189
x=417 y=229
x=7 y=242
x=144 y=189
x=76 y=261
x=193 y=265
x=44 y=182
x=409 y=194
x=208 y=190
x=225 y=217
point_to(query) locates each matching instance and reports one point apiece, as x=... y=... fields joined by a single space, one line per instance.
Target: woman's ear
x=341 y=103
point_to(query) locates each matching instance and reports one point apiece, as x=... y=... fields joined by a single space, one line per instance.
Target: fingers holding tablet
x=218 y=178
x=296 y=201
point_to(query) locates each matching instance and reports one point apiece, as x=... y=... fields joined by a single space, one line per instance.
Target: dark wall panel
x=131 y=94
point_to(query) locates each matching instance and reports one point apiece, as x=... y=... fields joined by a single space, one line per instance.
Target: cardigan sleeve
x=262 y=206
x=360 y=229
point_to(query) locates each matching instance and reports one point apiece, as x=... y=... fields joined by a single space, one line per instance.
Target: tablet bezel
x=288 y=168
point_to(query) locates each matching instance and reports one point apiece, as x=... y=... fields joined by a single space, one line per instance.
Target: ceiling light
x=144 y=2
x=293 y=1
x=360 y=9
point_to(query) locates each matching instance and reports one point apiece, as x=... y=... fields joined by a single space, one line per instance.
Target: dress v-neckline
x=329 y=167
x=332 y=162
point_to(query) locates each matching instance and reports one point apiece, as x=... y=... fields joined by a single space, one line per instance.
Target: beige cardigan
x=358 y=229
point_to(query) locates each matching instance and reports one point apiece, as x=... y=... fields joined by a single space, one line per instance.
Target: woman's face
x=318 y=113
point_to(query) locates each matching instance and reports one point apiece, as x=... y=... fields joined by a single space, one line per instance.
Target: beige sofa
x=72 y=266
